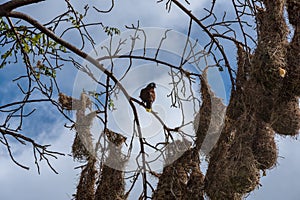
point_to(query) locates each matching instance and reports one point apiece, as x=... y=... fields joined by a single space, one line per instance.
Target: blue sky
x=47 y=126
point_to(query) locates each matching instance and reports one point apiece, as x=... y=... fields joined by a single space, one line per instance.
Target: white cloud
x=17 y=183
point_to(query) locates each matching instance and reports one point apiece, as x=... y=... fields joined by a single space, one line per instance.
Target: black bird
x=148 y=96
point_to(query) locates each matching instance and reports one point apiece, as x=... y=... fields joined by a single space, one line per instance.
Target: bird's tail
x=148 y=106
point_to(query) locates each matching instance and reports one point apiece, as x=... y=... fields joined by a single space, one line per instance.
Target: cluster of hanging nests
x=108 y=180
x=265 y=102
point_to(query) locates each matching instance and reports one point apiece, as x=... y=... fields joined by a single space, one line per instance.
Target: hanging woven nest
x=233 y=171
x=234 y=176
x=264 y=146
x=216 y=179
x=217 y=182
x=203 y=118
x=244 y=176
x=236 y=105
x=242 y=165
x=285 y=118
x=79 y=150
x=172 y=183
x=86 y=185
x=111 y=184
x=269 y=60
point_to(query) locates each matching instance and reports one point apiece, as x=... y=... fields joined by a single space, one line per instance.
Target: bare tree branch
x=13 y=4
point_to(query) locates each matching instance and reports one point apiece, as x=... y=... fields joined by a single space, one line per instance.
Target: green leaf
x=110 y=31
x=36 y=39
x=53 y=73
x=2 y=65
x=111 y=105
x=38 y=75
x=6 y=54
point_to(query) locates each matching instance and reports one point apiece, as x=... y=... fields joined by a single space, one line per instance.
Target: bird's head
x=151 y=85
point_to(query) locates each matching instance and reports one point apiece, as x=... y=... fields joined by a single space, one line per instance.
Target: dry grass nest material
x=233 y=178
x=195 y=183
x=182 y=179
x=293 y=60
x=285 y=118
x=244 y=174
x=293 y=8
x=208 y=125
x=70 y=103
x=264 y=146
x=236 y=173
x=209 y=120
x=259 y=100
x=241 y=163
x=79 y=151
x=270 y=54
x=111 y=184
x=86 y=186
